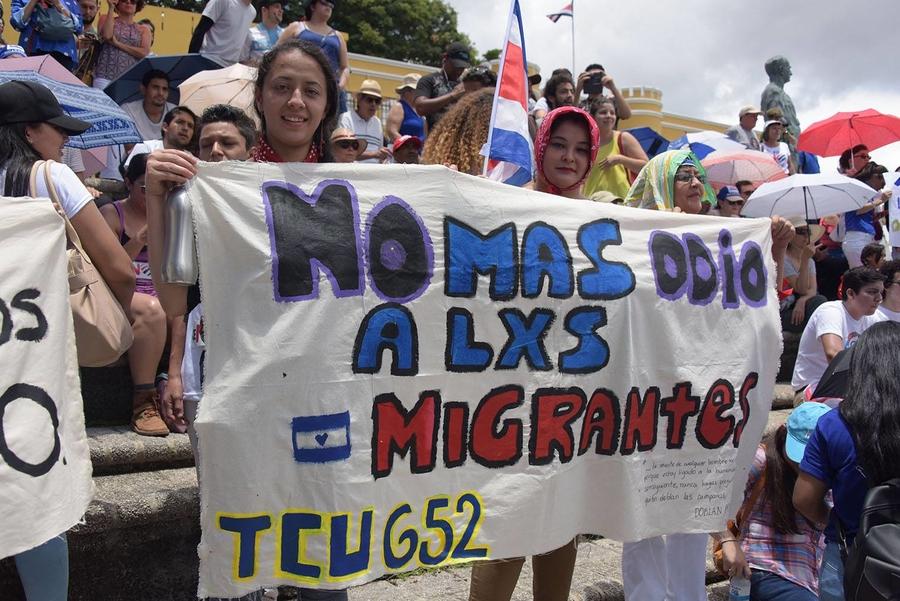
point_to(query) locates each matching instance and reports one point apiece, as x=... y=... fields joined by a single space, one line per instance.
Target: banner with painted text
x=45 y=465
x=410 y=367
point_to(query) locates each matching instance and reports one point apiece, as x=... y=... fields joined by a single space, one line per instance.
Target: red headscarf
x=543 y=139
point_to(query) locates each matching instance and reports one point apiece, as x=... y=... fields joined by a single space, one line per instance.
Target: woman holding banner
x=565 y=148
x=673 y=567
x=296 y=99
x=33 y=127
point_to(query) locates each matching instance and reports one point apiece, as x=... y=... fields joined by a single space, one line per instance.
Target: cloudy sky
x=707 y=56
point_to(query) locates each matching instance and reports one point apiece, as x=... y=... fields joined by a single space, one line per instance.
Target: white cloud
x=707 y=56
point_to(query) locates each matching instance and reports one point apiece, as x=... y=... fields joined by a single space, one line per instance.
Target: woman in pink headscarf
x=565 y=148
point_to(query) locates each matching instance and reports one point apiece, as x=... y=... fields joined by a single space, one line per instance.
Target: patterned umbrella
x=109 y=124
x=702 y=143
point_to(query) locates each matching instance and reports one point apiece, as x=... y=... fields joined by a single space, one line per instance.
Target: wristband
x=728 y=540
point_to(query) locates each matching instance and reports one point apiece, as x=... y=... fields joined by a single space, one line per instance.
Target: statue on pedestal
x=779 y=71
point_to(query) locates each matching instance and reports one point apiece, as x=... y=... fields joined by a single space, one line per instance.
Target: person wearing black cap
x=436 y=91
x=34 y=127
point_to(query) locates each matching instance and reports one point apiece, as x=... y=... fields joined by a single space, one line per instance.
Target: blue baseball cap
x=800 y=425
x=729 y=193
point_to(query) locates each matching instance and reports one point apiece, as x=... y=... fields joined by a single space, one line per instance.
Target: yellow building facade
x=647 y=111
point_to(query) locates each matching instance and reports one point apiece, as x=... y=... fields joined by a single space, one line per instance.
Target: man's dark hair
x=179 y=109
x=875 y=249
x=552 y=84
x=888 y=269
x=844 y=161
x=740 y=184
x=154 y=74
x=858 y=277
x=594 y=67
x=223 y=113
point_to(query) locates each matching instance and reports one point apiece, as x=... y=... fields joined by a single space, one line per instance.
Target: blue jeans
x=766 y=586
x=831 y=575
x=44 y=570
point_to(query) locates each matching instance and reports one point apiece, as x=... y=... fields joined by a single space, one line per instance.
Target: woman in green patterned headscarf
x=673 y=179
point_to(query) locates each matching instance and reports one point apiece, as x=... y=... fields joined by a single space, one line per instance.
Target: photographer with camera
x=592 y=81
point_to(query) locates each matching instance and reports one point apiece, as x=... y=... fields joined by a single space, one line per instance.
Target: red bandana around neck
x=264 y=153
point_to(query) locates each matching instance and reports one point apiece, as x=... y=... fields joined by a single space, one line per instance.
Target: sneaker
x=145 y=419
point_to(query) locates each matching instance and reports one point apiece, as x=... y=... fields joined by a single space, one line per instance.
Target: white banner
x=892 y=181
x=410 y=367
x=45 y=464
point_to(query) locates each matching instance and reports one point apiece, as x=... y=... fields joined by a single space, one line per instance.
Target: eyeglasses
x=802 y=231
x=371 y=99
x=686 y=178
x=348 y=144
x=735 y=203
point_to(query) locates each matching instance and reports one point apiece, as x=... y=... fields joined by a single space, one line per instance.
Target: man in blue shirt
x=263 y=36
x=60 y=45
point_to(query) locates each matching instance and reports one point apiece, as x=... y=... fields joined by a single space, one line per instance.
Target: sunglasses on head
x=347 y=144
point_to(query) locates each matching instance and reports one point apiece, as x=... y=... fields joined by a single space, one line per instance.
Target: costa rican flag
x=565 y=12
x=509 y=149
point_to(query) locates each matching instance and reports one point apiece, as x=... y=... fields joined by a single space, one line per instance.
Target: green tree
x=408 y=30
x=492 y=55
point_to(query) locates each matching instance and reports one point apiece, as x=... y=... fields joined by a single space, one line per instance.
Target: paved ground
x=597 y=578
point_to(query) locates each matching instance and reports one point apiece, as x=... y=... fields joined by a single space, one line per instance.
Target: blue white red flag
x=565 y=12
x=509 y=149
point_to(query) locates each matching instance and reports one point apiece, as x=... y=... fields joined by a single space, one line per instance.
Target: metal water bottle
x=739 y=589
x=179 y=259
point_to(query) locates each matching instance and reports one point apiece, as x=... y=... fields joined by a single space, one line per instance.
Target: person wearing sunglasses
x=345 y=146
x=730 y=202
x=800 y=276
x=363 y=121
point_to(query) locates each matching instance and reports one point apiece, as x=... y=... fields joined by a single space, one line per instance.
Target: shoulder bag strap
x=71 y=234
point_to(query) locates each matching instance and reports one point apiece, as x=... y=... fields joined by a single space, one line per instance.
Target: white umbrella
x=814 y=195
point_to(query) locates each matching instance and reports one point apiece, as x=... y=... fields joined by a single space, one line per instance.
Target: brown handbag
x=735 y=526
x=102 y=331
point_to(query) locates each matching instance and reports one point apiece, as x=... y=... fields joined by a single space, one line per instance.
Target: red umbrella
x=841 y=131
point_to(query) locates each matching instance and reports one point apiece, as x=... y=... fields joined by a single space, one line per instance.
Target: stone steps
x=118 y=450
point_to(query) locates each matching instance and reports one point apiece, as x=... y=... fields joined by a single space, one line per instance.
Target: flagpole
x=574 y=71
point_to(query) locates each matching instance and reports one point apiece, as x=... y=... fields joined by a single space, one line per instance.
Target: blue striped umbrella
x=110 y=125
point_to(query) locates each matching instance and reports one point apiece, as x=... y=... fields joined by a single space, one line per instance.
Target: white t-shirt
x=370 y=131
x=73 y=196
x=780 y=153
x=192 y=362
x=888 y=314
x=224 y=41
x=146 y=128
x=829 y=318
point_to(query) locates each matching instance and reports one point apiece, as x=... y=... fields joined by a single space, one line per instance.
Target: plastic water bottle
x=739 y=589
x=179 y=259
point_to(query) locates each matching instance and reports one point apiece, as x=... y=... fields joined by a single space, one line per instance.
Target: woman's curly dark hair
x=462 y=131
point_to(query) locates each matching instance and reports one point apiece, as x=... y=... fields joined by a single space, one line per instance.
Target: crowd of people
x=834 y=285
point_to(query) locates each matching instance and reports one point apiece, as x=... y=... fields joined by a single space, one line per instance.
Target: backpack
x=52 y=25
x=872 y=567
